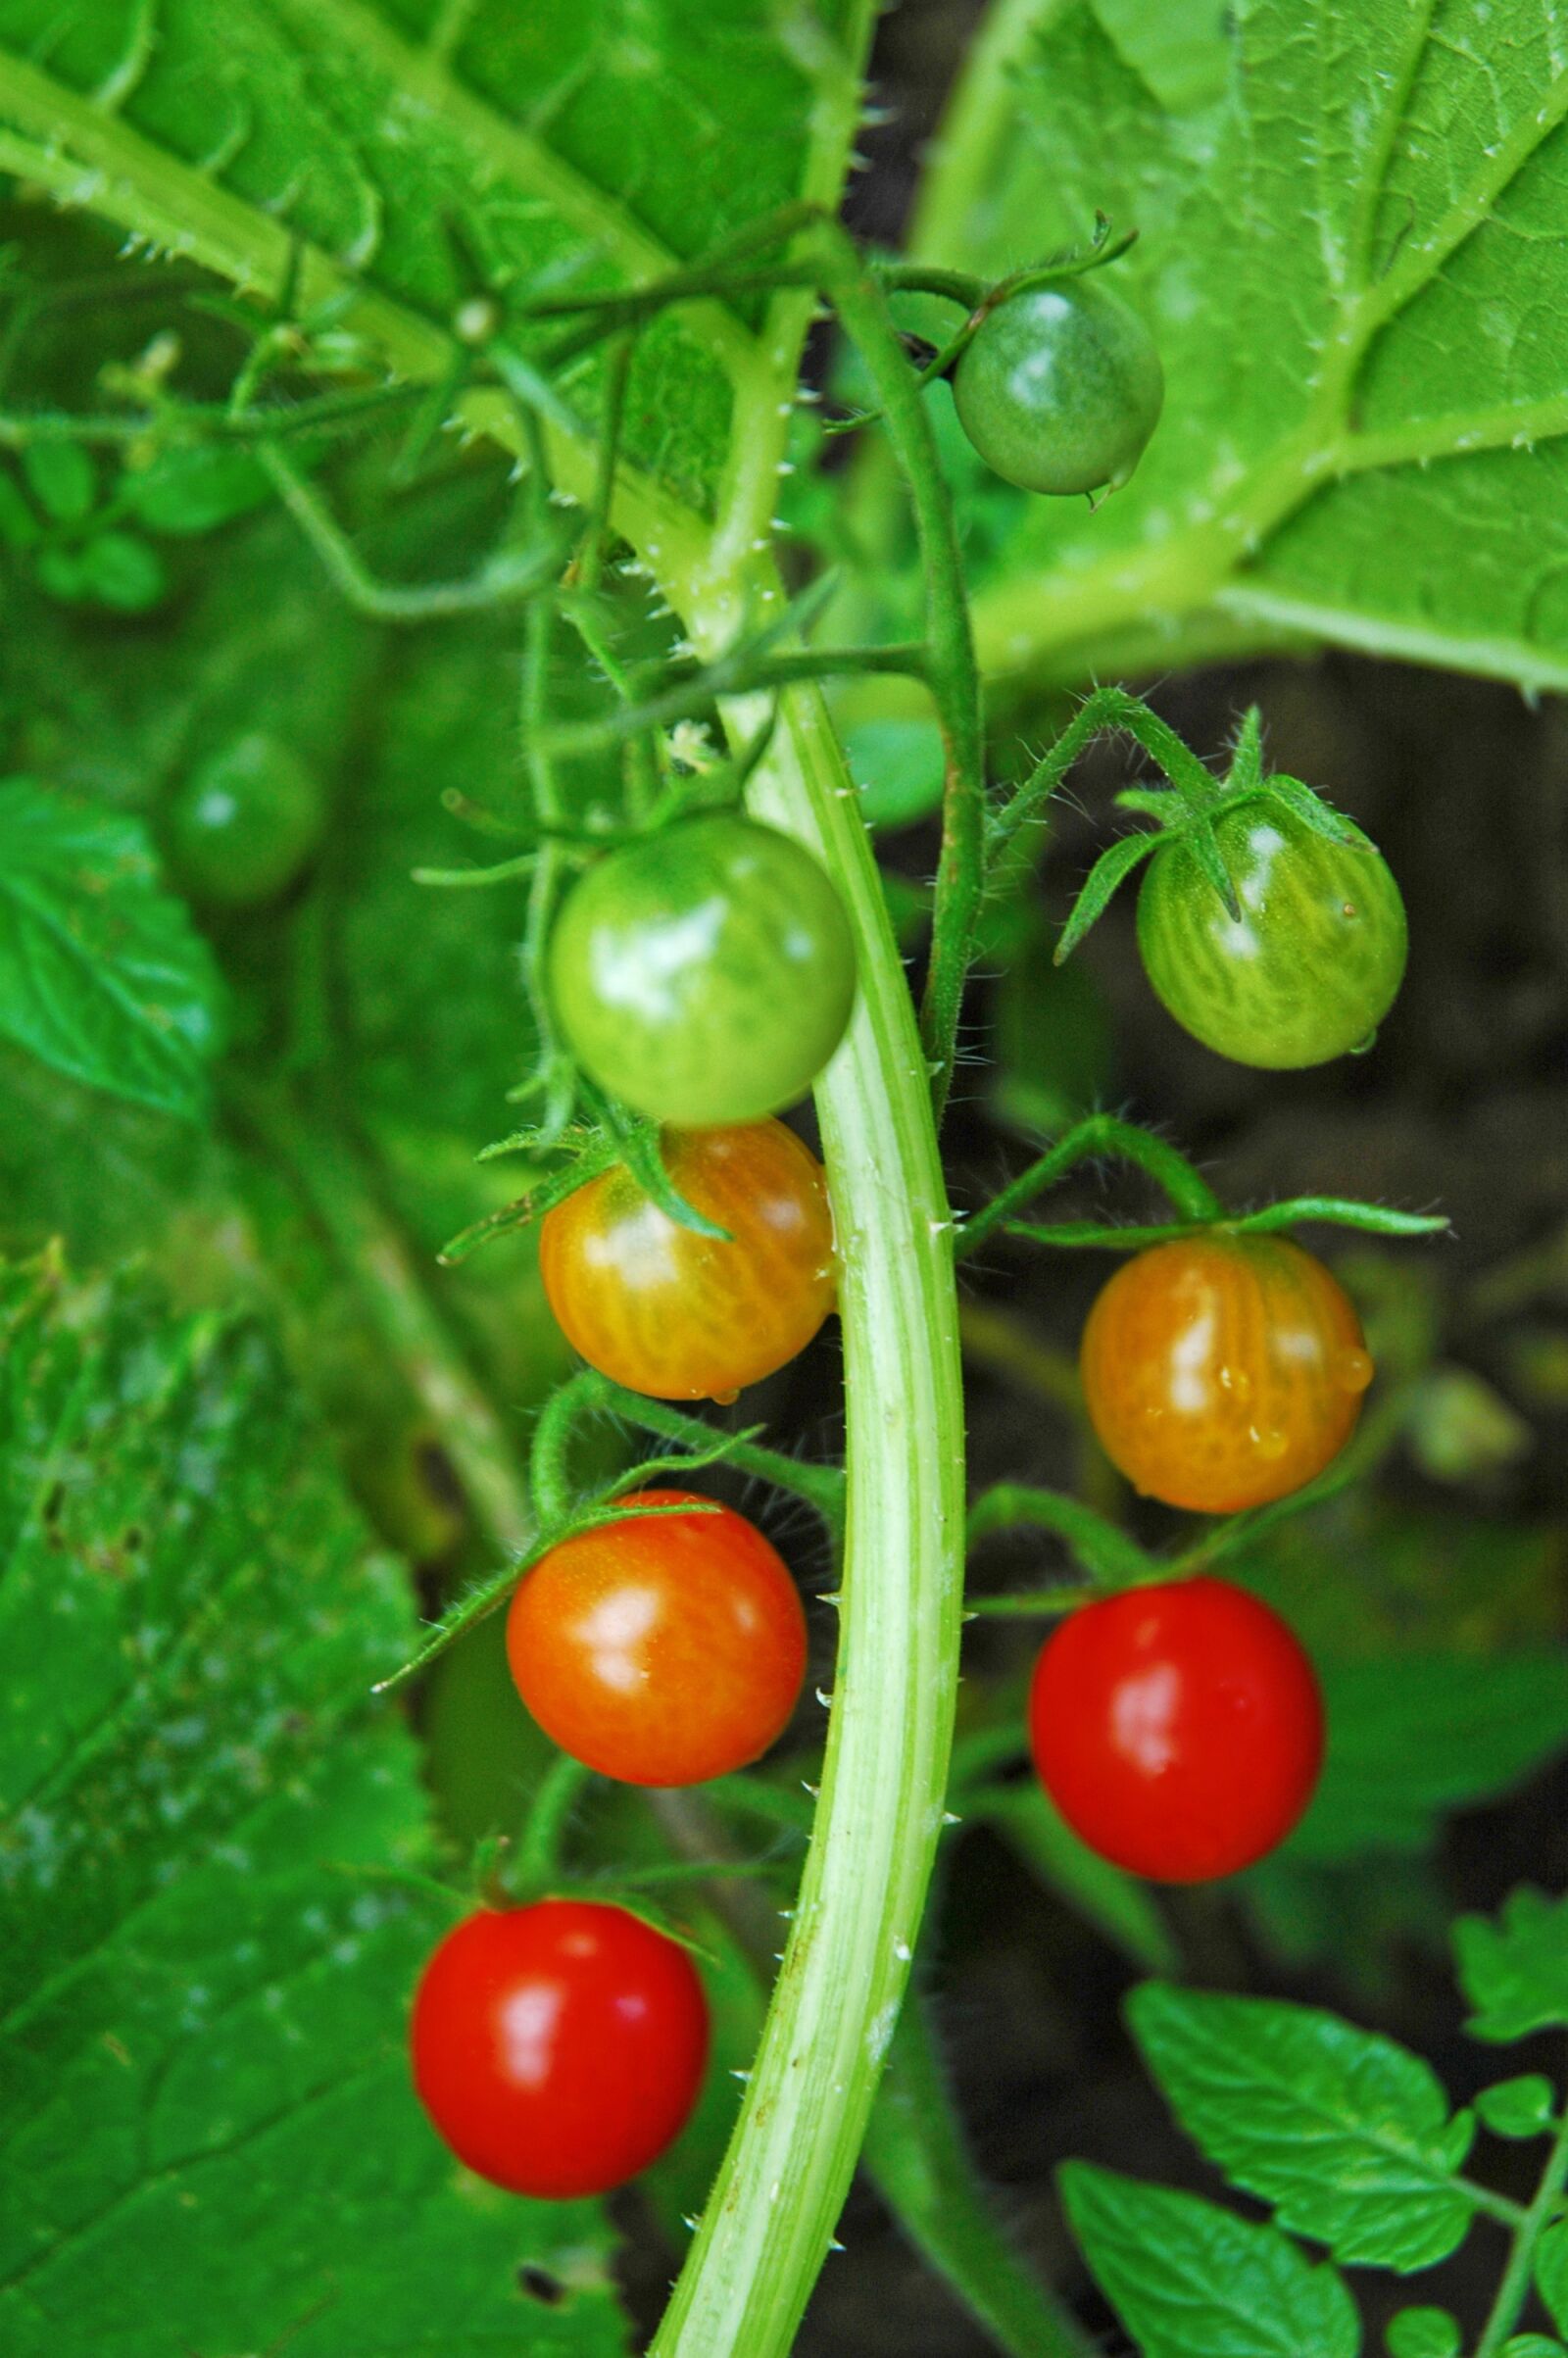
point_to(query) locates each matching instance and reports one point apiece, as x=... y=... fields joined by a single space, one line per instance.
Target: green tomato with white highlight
x=1061 y=389
x=1311 y=965
x=704 y=974
x=245 y=822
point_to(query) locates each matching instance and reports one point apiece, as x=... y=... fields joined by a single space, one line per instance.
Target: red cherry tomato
x=663 y=1649
x=1178 y=1728
x=661 y=1310
x=1220 y=1371
x=559 y=2048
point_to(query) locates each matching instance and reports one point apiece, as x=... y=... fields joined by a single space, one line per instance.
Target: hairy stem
x=1514 y=2289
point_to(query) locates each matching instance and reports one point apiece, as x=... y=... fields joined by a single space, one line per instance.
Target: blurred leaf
x=898 y=765
x=1423 y=2334
x=211 y=2139
x=1189 y=2280
x=62 y=479
x=1349 y=2135
x=1461 y=1429
x=917 y=2156
x=1517 y=2108
x=1551 y=2273
x=1386 y=1781
x=123 y=571
x=101 y=974
x=196 y=488
x=1513 y=1967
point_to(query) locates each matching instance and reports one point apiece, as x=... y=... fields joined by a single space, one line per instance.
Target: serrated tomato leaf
x=102 y=974
x=1513 y=1967
x=1349 y=2135
x=1191 y=2281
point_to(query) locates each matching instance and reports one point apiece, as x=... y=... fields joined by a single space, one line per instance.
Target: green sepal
x=1312 y=810
x=1246 y=763
x=637 y=1141
x=1114 y=863
x=1152 y=801
x=1201 y=840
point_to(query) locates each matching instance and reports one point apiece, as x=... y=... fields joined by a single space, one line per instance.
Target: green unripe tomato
x=704 y=974
x=245 y=822
x=1061 y=389
x=1314 y=961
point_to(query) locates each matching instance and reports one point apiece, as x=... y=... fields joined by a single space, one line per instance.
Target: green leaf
x=62 y=479
x=209 y=1844
x=1519 y=2107
x=123 y=572
x=1532 y=2345
x=1347 y=255
x=1117 y=1904
x=195 y=489
x=1551 y=2273
x=1513 y=1967
x=1385 y=1783
x=1189 y=2280
x=1349 y=2135
x=1423 y=2334
x=101 y=974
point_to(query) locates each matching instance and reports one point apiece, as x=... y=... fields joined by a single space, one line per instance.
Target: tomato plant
x=1061 y=389
x=1222 y=1371
x=1309 y=967
x=662 y=1649
x=705 y=975
x=1178 y=1728
x=667 y=1310
x=536 y=639
x=557 y=2048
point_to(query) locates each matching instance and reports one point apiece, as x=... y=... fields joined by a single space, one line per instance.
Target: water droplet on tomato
x=1352 y=1370
x=725 y=1400
x=1347 y=908
x=1238 y=1383
x=1360 y=1047
x=1271 y=1444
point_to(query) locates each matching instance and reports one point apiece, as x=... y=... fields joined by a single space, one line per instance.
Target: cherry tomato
x=664 y=1650
x=1061 y=389
x=704 y=974
x=1220 y=1371
x=559 y=2048
x=661 y=1310
x=245 y=822
x=1178 y=1728
x=1310 y=967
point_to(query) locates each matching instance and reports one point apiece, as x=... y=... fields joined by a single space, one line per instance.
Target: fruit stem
x=1100 y=1134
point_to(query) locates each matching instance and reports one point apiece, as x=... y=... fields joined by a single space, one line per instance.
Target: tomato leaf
x=101 y=972
x=1189 y=2280
x=1349 y=2135
x=210 y=1869
x=1513 y=1967
x=1551 y=2273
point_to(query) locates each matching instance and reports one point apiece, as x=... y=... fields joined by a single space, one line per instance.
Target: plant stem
x=1098 y=1546
x=1514 y=2289
x=556 y=1796
x=1100 y=1134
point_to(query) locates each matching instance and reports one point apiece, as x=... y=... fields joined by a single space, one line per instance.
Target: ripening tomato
x=661 y=1310
x=1220 y=1370
x=704 y=974
x=1309 y=968
x=663 y=1649
x=1178 y=1728
x=559 y=2048
x=1061 y=389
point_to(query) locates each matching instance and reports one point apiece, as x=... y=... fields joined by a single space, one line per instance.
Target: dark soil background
x=1461 y=1104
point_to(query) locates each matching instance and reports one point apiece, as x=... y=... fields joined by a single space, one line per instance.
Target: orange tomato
x=663 y=1649
x=1221 y=1371
x=663 y=1310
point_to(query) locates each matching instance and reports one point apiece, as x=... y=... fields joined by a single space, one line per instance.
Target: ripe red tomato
x=663 y=1310
x=1178 y=1728
x=664 y=1650
x=1221 y=1371
x=559 y=2048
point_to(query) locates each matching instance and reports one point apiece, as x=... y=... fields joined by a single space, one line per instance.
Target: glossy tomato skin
x=1178 y=1729
x=1221 y=1371
x=1311 y=966
x=245 y=822
x=663 y=1310
x=1061 y=389
x=704 y=974
x=559 y=2048
x=664 y=1650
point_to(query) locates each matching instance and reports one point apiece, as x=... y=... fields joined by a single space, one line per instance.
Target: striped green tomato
x=704 y=974
x=1309 y=968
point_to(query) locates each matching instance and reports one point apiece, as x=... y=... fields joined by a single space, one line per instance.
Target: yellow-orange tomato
x=663 y=1648
x=663 y=1310
x=1221 y=1371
